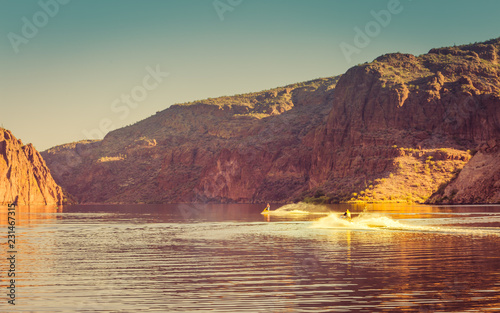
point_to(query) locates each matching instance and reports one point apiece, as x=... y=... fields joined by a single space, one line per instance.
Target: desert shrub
x=472 y=152
x=319 y=193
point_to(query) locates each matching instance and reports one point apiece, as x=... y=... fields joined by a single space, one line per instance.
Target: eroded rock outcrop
x=478 y=181
x=24 y=176
x=445 y=101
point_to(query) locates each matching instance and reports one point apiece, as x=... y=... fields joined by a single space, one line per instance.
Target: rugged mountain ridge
x=231 y=149
x=399 y=128
x=24 y=176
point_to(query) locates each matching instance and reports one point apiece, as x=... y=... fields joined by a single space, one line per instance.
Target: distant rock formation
x=399 y=128
x=24 y=176
x=479 y=180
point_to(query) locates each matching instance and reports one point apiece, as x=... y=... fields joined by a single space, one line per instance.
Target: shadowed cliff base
x=400 y=128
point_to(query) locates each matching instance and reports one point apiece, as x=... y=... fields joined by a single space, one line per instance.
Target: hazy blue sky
x=64 y=65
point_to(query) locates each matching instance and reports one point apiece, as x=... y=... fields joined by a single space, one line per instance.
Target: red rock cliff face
x=23 y=174
x=449 y=98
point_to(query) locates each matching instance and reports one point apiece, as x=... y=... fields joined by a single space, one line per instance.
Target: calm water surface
x=230 y=258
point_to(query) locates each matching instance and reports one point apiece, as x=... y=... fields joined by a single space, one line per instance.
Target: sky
x=76 y=69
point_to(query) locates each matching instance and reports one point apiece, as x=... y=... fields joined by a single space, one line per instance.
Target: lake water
x=230 y=258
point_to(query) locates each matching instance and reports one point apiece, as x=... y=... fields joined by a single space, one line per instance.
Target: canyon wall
x=399 y=128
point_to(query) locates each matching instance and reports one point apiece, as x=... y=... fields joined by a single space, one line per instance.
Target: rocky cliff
x=479 y=180
x=24 y=176
x=245 y=148
x=399 y=128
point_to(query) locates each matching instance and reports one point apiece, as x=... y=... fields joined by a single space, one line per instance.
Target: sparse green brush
x=427 y=169
x=416 y=168
x=472 y=152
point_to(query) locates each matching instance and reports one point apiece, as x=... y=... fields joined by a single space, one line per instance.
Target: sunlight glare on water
x=231 y=258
